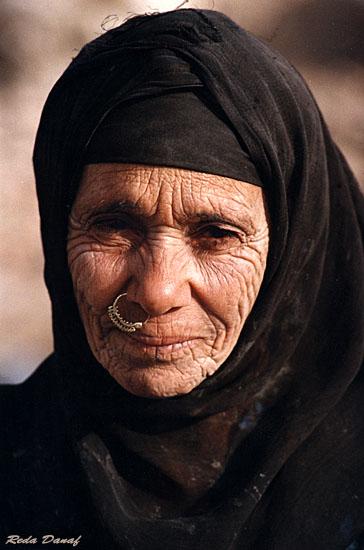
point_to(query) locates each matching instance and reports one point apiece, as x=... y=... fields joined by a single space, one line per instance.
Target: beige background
x=323 y=38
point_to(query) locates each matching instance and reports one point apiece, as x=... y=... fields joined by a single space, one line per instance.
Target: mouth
x=157 y=341
x=162 y=344
x=160 y=348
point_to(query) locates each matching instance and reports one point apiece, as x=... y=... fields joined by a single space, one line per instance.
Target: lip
x=163 y=348
x=156 y=342
x=160 y=341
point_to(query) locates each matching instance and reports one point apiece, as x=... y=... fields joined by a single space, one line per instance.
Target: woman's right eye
x=113 y=223
x=115 y=230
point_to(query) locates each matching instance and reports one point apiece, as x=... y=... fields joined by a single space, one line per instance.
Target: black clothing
x=82 y=456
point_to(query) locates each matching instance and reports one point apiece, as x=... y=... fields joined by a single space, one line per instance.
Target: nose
x=160 y=280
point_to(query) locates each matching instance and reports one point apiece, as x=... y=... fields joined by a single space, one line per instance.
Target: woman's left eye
x=214 y=237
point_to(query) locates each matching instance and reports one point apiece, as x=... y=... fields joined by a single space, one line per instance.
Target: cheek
x=96 y=277
x=232 y=286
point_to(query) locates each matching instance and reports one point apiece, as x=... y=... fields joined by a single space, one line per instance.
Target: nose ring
x=119 y=321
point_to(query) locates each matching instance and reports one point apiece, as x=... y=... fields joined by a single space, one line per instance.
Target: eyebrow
x=115 y=207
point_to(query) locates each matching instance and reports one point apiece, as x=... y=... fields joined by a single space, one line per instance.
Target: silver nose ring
x=119 y=321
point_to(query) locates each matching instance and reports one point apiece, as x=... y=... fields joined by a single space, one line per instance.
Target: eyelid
x=116 y=209
x=104 y=217
x=109 y=217
x=225 y=226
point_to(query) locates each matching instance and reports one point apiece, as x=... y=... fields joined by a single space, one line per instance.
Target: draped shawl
x=81 y=452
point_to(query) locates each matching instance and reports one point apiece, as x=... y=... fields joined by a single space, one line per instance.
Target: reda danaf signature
x=45 y=539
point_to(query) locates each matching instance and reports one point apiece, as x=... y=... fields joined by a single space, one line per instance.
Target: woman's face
x=188 y=248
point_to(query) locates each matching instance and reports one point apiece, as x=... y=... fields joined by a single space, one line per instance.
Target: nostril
x=158 y=299
x=159 y=286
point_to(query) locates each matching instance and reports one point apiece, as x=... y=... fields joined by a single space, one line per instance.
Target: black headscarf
x=284 y=413
x=172 y=129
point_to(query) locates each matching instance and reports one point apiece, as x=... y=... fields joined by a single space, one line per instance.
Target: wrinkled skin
x=188 y=248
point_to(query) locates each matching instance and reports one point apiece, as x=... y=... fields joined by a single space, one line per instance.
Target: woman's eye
x=213 y=237
x=119 y=230
x=117 y=224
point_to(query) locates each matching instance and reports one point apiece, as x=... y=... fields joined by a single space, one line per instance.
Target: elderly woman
x=204 y=258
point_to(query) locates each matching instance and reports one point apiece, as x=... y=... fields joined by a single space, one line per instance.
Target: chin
x=157 y=383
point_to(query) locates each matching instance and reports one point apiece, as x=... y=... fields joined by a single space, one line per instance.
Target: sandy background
x=323 y=38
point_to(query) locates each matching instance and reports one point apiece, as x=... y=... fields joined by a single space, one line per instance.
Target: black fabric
x=175 y=129
x=286 y=407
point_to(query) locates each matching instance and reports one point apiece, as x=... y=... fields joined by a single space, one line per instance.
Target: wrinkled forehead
x=167 y=195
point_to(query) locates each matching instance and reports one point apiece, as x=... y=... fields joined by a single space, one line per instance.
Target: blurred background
x=324 y=39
